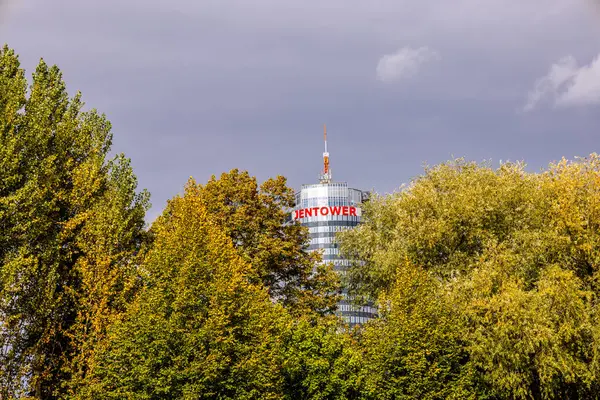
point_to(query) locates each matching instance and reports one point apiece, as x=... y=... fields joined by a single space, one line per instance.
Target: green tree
x=255 y=217
x=198 y=328
x=320 y=361
x=70 y=221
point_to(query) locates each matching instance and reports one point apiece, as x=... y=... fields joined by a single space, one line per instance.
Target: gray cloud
x=404 y=63
x=568 y=85
x=196 y=88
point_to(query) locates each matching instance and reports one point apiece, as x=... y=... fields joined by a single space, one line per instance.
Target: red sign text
x=325 y=211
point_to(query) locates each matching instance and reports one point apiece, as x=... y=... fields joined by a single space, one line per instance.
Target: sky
x=196 y=88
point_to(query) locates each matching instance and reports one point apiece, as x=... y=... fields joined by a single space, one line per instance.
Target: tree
x=516 y=253
x=254 y=217
x=198 y=328
x=70 y=222
x=417 y=348
x=110 y=237
x=320 y=361
x=442 y=222
x=532 y=343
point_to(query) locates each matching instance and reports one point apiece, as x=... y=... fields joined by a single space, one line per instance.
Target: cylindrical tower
x=327 y=208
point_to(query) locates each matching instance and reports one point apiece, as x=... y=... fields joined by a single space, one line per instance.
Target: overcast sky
x=195 y=88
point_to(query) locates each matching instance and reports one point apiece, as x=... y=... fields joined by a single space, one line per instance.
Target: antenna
x=325 y=136
x=326 y=175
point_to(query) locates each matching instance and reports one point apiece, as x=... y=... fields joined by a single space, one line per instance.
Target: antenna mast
x=326 y=175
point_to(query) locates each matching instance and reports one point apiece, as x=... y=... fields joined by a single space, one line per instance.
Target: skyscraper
x=327 y=208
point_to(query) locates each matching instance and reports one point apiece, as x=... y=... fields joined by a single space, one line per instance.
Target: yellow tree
x=110 y=235
x=417 y=348
x=198 y=328
x=516 y=254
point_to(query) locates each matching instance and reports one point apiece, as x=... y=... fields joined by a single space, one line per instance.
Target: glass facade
x=326 y=209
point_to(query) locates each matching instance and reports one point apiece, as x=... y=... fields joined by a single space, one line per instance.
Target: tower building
x=327 y=208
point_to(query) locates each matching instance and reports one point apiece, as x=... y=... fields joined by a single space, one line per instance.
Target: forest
x=486 y=279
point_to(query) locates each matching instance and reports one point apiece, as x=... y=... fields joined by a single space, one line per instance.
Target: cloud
x=404 y=63
x=567 y=85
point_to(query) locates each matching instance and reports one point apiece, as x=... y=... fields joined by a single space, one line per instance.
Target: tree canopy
x=486 y=279
x=71 y=222
x=513 y=260
x=198 y=328
x=254 y=218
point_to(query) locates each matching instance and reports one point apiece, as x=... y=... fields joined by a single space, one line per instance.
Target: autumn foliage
x=486 y=279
